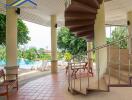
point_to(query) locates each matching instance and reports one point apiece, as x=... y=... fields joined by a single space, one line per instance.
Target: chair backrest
x=2 y=74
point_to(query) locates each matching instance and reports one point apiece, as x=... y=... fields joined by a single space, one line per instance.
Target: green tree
x=67 y=56
x=43 y=55
x=23 y=32
x=119 y=33
x=2 y=53
x=68 y=42
x=60 y=55
x=30 y=54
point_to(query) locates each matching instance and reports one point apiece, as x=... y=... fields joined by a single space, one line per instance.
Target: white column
x=11 y=37
x=100 y=39
x=53 y=45
x=89 y=47
x=129 y=18
x=90 y=55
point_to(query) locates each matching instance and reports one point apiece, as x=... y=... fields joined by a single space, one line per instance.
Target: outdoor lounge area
x=54 y=87
x=90 y=56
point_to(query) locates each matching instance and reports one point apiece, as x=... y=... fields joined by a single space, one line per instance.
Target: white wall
x=100 y=39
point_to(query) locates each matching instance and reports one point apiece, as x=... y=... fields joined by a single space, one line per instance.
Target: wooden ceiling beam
x=97 y=4
x=90 y=39
x=82 y=28
x=82 y=6
x=92 y=3
x=79 y=23
x=85 y=33
x=80 y=18
x=90 y=36
x=79 y=15
x=100 y=1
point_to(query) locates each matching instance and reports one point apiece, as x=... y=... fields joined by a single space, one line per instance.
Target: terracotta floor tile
x=45 y=88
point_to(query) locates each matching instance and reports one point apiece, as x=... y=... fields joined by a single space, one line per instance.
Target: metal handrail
x=97 y=49
x=106 y=45
x=101 y=47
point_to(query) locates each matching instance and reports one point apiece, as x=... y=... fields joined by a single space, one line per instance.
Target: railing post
x=74 y=75
x=130 y=54
x=88 y=70
x=80 y=77
x=71 y=74
x=98 y=70
x=108 y=64
x=69 y=79
x=119 y=65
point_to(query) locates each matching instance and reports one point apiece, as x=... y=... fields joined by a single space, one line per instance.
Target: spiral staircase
x=80 y=16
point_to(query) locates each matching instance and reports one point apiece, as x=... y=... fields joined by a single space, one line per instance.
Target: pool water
x=23 y=63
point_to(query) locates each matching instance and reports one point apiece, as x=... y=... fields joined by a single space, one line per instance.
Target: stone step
x=81 y=85
x=123 y=74
x=113 y=80
x=123 y=66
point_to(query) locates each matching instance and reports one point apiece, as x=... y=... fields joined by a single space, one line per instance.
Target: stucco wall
x=100 y=39
x=113 y=55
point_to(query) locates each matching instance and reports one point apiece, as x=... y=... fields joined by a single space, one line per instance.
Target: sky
x=109 y=31
x=40 y=36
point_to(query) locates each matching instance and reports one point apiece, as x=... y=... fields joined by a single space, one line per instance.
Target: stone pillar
x=129 y=18
x=100 y=39
x=11 y=39
x=53 y=45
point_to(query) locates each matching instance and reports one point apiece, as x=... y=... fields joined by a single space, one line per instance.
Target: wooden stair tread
x=122 y=72
x=93 y=85
x=113 y=80
x=82 y=13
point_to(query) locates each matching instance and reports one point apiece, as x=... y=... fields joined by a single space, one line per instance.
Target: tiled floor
x=54 y=87
x=45 y=88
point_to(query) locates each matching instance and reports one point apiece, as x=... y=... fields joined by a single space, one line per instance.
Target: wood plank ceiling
x=80 y=17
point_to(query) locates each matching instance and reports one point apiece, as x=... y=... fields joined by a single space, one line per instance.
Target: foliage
x=68 y=42
x=2 y=53
x=67 y=56
x=30 y=54
x=118 y=34
x=41 y=50
x=45 y=57
x=33 y=54
x=42 y=55
x=23 y=37
x=23 y=32
x=60 y=55
x=20 y=54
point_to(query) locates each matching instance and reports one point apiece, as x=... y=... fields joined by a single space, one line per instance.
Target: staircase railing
x=102 y=76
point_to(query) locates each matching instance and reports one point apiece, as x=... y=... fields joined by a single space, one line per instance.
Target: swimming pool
x=23 y=63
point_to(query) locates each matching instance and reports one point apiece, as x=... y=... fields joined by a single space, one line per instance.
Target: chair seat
x=9 y=81
x=7 y=85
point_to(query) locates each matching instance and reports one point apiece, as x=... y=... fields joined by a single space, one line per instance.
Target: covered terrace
x=87 y=19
